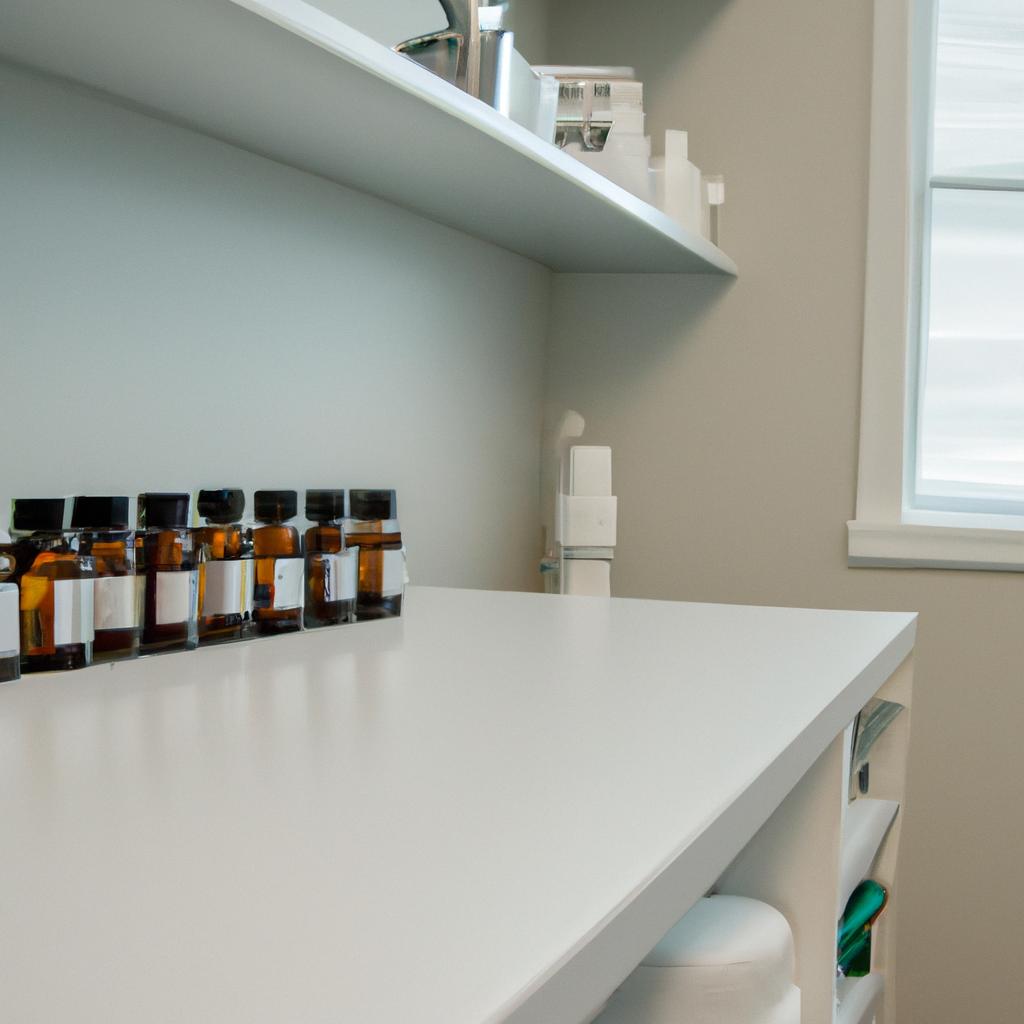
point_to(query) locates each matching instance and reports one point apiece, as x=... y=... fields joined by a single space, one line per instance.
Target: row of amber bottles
x=100 y=591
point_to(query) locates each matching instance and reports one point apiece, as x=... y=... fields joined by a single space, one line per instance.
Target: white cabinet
x=818 y=847
x=490 y=809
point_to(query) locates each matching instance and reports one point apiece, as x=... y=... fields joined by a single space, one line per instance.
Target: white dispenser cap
x=590 y=470
x=10 y=642
x=715 y=184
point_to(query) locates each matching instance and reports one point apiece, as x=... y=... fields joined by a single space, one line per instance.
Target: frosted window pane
x=979 y=89
x=972 y=426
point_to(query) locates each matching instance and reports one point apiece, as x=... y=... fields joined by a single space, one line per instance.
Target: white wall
x=733 y=413
x=177 y=313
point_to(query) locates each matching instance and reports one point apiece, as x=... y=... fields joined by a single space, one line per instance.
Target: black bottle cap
x=163 y=511
x=92 y=512
x=366 y=504
x=275 y=506
x=224 y=505
x=323 y=506
x=37 y=514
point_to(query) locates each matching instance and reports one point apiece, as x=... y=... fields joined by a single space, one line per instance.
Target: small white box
x=588 y=522
x=590 y=470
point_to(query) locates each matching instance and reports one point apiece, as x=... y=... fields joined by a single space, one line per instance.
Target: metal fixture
x=473 y=52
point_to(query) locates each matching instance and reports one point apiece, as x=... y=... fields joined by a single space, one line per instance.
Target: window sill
x=916 y=546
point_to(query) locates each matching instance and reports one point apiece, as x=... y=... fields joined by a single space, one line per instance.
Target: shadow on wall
x=641 y=384
x=649 y=37
x=606 y=365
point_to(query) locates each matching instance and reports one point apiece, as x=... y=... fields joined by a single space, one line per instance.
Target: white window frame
x=885 y=532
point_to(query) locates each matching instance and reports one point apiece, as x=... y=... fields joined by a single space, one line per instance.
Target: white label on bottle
x=288 y=577
x=175 y=596
x=116 y=602
x=228 y=589
x=341 y=575
x=9 y=628
x=72 y=612
x=393 y=576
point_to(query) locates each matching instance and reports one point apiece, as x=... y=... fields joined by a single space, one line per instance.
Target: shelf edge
x=349 y=44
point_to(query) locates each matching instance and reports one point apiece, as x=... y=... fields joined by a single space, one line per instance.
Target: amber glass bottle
x=277 y=556
x=99 y=528
x=224 y=549
x=332 y=567
x=373 y=528
x=165 y=562
x=55 y=589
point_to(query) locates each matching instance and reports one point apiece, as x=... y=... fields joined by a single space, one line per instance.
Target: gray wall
x=733 y=414
x=177 y=313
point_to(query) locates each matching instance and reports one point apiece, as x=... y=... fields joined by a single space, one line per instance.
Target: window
x=942 y=433
x=970 y=428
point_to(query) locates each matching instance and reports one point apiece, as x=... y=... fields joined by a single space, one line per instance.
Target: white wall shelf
x=282 y=79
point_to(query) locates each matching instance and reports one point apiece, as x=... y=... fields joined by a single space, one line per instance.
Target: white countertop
x=481 y=811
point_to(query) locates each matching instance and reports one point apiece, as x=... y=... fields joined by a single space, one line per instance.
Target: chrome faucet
x=472 y=52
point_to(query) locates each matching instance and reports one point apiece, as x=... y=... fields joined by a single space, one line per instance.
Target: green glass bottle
x=853 y=954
